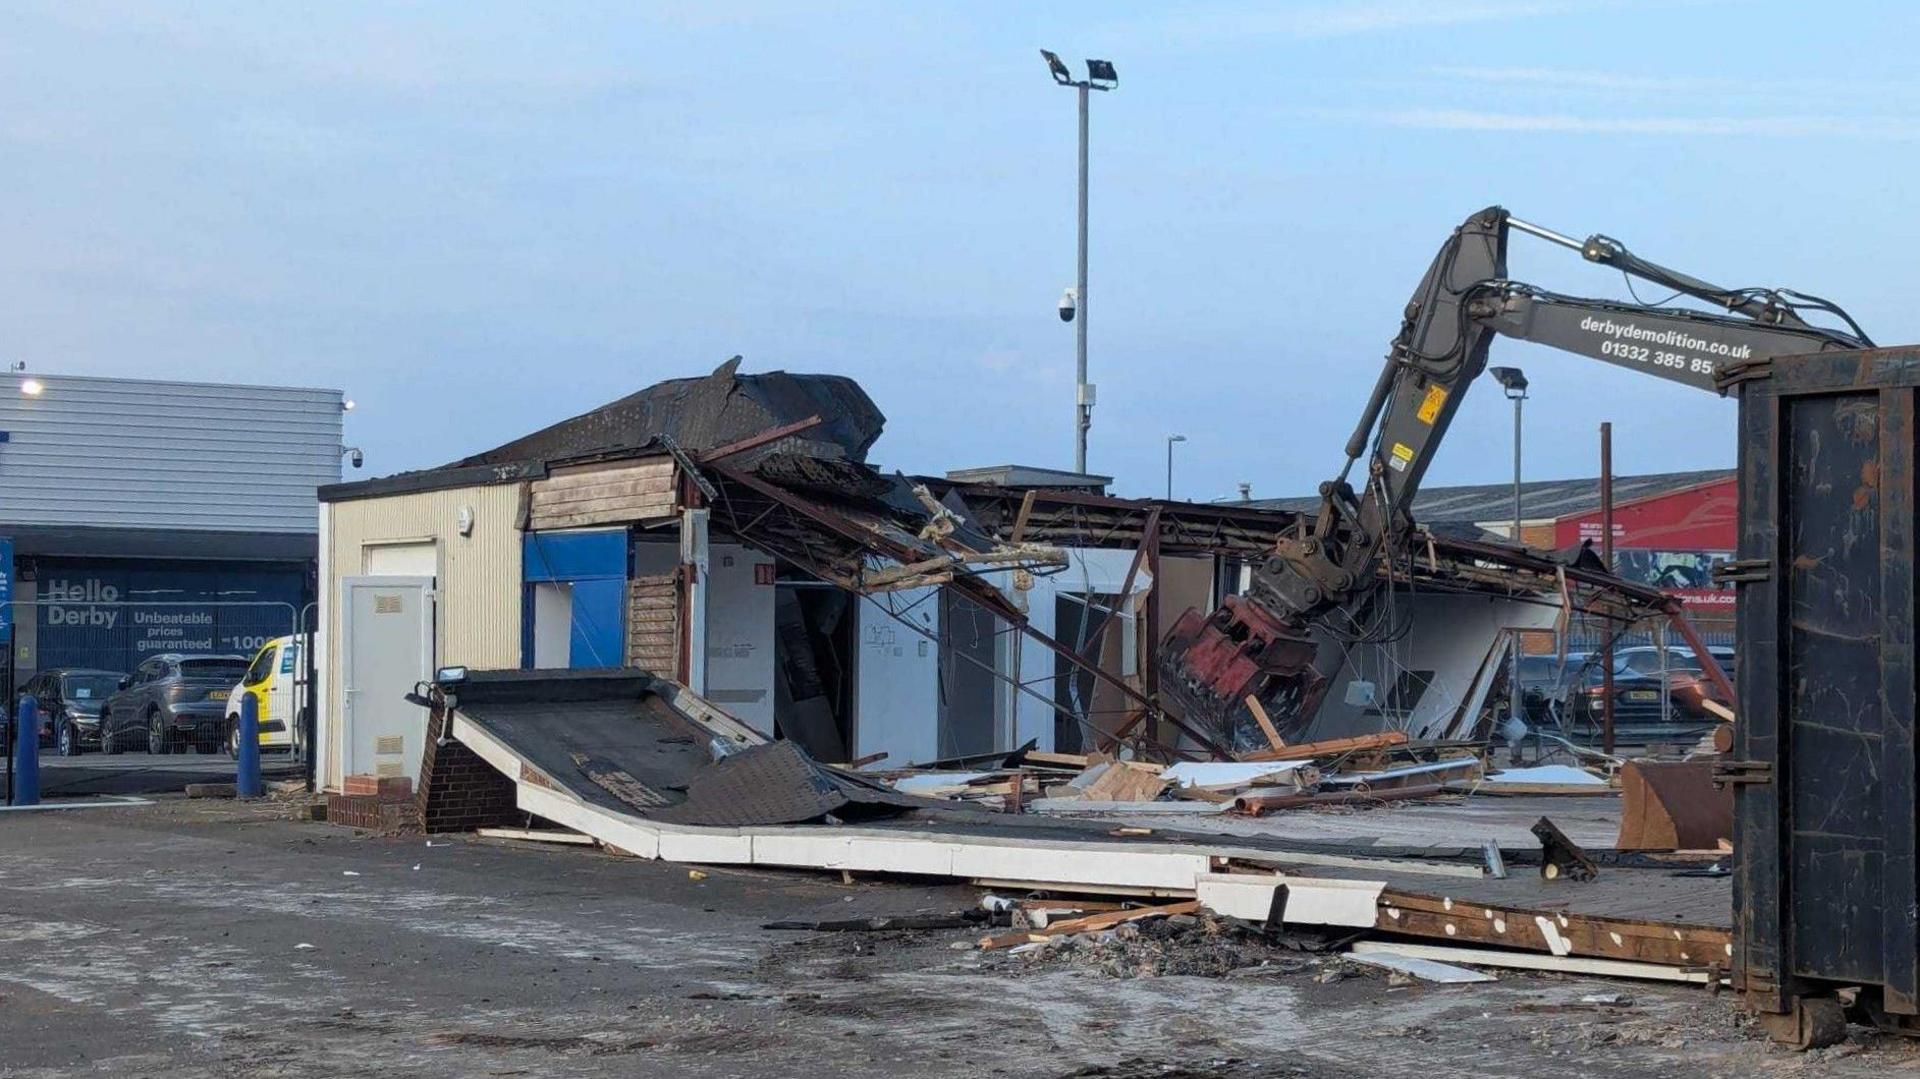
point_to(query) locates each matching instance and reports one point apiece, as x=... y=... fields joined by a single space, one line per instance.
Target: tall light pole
x=1100 y=76
x=1514 y=381
x=1171 y=439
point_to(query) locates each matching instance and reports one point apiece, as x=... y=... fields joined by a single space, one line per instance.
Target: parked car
x=69 y=701
x=172 y=701
x=275 y=679
x=1638 y=713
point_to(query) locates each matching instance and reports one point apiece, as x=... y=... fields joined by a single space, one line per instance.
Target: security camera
x=1069 y=303
x=356 y=459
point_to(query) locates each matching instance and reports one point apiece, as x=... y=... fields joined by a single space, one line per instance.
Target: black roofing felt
x=706 y=413
x=693 y=414
x=606 y=737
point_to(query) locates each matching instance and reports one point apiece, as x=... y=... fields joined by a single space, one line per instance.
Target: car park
x=68 y=701
x=171 y=702
x=276 y=680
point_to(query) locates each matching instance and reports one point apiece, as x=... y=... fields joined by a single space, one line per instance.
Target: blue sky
x=477 y=218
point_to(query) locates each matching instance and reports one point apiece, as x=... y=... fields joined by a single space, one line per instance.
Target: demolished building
x=729 y=533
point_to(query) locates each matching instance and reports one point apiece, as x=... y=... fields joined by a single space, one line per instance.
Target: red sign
x=1669 y=541
x=1702 y=518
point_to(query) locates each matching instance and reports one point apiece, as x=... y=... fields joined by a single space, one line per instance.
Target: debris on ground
x=1359 y=770
x=1185 y=945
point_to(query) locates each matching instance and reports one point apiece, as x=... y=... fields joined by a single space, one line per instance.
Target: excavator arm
x=1321 y=577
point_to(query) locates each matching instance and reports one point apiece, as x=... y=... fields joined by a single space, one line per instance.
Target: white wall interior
x=897 y=678
x=1451 y=635
x=552 y=624
x=740 y=633
x=1088 y=570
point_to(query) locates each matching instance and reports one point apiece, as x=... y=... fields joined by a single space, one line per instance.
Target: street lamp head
x=346 y=405
x=1512 y=379
x=1059 y=68
x=1176 y=438
x=1101 y=76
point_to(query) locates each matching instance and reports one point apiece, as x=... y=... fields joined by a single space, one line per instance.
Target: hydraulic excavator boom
x=1320 y=579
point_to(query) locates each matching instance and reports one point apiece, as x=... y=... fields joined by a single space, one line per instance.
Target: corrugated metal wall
x=478 y=584
x=145 y=454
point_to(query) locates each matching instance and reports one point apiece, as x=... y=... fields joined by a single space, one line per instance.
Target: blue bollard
x=247 y=783
x=26 y=753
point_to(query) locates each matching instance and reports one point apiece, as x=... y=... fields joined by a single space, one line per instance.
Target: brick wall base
x=458 y=791
x=369 y=812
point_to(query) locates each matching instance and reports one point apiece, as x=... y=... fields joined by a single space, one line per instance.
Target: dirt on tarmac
x=214 y=938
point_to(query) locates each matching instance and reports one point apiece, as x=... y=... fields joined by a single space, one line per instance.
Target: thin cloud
x=1346 y=20
x=1880 y=128
x=1621 y=82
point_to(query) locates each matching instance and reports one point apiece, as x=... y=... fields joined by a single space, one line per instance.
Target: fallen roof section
x=1614 y=918
x=627 y=742
x=701 y=414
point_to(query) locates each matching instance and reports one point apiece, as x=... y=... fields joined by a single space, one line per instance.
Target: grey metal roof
x=1028 y=476
x=119 y=453
x=1539 y=500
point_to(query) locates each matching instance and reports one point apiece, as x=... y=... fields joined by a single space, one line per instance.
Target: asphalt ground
x=196 y=938
x=143 y=773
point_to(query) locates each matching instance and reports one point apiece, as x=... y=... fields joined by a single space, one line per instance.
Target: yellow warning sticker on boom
x=1401 y=454
x=1430 y=406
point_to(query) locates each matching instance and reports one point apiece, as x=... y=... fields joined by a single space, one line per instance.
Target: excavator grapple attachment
x=1210 y=664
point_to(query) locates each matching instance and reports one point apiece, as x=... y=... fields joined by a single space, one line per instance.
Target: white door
x=388 y=627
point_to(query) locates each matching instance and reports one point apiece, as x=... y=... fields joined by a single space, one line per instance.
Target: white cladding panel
x=127 y=453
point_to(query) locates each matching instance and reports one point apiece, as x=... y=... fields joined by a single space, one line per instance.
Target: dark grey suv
x=171 y=701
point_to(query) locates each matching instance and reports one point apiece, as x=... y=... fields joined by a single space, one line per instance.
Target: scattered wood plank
x=1120 y=784
x=771 y=434
x=1011 y=940
x=1331 y=747
x=1266 y=722
x=1092 y=923
x=536 y=835
x=1717 y=708
x=1066 y=760
x=1096 y=922
x=1019 y=533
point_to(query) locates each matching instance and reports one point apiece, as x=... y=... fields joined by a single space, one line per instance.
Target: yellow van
x=277 y=679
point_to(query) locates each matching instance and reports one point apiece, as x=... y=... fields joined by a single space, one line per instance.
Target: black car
x=69 y=701
x=172 y=701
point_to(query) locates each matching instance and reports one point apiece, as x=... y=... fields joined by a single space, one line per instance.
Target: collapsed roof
x=697 y=414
